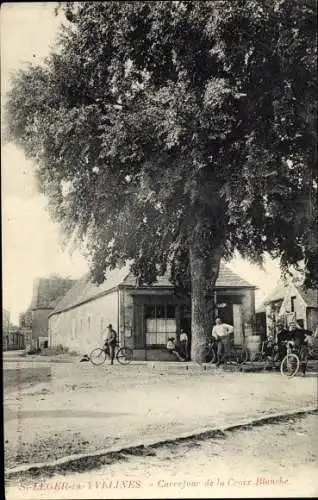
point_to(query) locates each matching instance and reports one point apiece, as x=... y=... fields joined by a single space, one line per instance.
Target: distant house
x=12 y=337
x=289 y=302
x=144 y=316
x=46 y=294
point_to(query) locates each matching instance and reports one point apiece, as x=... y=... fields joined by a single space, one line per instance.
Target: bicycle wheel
x=213 y=356
x=210 y=356
x=97 y=356
x=290 y=365
x=124 y=355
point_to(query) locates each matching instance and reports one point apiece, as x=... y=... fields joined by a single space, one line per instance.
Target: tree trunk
x=205 y=258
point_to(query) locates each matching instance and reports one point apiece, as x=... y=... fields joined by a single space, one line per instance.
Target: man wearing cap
x=110 y=342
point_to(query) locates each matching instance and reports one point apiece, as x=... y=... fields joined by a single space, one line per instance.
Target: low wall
x=153 y=355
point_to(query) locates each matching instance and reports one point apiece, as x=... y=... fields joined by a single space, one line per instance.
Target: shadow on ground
x=10 y=415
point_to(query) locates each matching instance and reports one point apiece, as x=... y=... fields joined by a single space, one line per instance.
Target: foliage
x=150 y=116
x=25 y=319
x=55 y=351
x=50 y=351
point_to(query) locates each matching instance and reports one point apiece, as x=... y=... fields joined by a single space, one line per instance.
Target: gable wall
x=40 y=322
x=82 y=328
x=299 y=304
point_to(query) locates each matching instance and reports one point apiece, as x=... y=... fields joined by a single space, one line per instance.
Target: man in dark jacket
x=300 y=337
x=282 y=334
x=110 y=342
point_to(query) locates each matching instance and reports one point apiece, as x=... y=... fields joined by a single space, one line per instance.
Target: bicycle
x=267 y=352
x=234 y=356
x=124 y=355
x=290 y=364
x=211 y=351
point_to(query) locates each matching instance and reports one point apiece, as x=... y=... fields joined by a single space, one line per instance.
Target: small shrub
x=61 y=349
x=54 y=351
x=33 y=350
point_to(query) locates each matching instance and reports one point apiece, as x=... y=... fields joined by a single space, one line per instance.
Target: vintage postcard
x=160 y=284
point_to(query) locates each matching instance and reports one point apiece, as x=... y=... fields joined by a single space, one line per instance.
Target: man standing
x=301 y=338
x=184 y=344
x=110 y=342
x=222 y=333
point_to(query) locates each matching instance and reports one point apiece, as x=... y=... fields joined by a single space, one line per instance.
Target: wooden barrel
x=253 y=345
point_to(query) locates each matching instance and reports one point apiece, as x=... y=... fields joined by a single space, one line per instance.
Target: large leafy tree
x=171 y=133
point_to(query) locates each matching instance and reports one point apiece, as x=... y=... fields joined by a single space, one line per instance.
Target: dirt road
x=278 y=459
x=82 y=409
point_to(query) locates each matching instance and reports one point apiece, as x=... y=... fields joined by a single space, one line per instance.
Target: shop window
x=160 y=324
x=161 y=311
x=171 y=311
x=150 y=311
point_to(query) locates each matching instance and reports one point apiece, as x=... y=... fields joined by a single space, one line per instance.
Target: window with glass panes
x=160 y=323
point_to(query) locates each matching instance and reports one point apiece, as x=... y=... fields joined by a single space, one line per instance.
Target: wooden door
x=138 y=325
x=238 y=324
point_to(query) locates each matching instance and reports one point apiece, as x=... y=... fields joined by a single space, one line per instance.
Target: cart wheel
x=290 y=365
x=124 y=355
x=97 y=356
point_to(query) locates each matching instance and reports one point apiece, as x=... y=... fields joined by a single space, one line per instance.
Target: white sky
x=30 y=240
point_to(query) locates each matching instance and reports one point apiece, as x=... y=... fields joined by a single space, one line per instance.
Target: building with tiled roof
x=287 y=302
x=84 y=290
x=48 y=291
x=46 y=294
x=309 y=296
x=144 y=316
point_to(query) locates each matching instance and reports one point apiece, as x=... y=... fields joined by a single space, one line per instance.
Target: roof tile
x=84 y=290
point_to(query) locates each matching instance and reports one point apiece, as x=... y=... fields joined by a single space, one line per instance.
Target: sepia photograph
x=159 y=186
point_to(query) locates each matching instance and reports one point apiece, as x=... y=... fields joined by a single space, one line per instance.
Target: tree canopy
x=172 y=133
